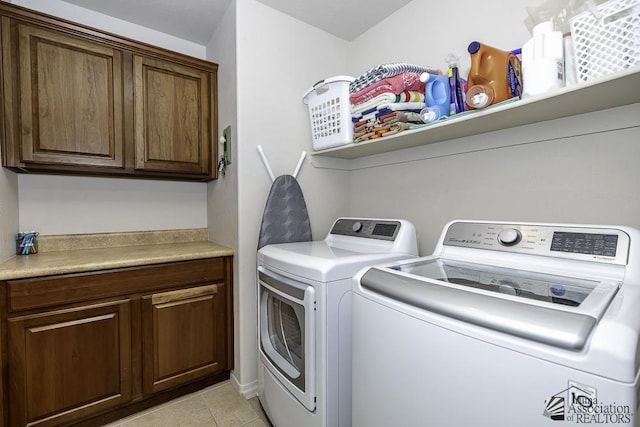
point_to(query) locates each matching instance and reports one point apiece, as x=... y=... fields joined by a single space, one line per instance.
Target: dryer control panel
x=367 y=228
x=608 y=245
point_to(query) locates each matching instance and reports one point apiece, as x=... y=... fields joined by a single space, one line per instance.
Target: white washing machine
x=304 y=318
x=506 y=324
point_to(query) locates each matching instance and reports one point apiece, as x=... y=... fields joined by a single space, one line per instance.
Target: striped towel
x=387 y=70
x=387 y=98
x=395 y=84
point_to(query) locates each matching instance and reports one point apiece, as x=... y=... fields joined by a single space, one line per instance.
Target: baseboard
x=247 y=390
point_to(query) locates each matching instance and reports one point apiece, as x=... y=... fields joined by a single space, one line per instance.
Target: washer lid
x=531 y=286
x=323 y=261
x=556 y=310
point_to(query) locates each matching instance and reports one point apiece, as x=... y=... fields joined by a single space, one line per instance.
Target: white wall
x=426 y=32
x=579 y=170
x=278 y=59
x=117 y=26
x=222 y=194
x=68 y=205
x=71 y=205
x=8 y=213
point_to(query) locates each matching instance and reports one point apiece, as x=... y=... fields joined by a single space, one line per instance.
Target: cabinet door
x=184 y=336
x=70 y=100
x=173 y=117
x=68 y=364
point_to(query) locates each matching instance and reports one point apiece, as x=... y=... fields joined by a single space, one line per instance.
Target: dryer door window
x=286 y=328
x=285 y=324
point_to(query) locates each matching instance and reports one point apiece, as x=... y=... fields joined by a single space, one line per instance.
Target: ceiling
x=196 y=20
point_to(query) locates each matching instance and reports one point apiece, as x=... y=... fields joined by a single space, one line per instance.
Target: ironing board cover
x=285 y=218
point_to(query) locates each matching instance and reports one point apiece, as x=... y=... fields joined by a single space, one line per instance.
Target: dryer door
x=287 y=333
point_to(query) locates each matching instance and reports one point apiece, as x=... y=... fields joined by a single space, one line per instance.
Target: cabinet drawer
x=49 y=291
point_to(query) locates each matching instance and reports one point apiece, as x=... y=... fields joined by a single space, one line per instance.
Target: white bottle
x=542 y=61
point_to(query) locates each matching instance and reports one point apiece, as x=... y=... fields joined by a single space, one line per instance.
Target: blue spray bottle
x=455 y=86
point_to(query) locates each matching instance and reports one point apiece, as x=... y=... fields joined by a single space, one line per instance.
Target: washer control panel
x=608 y=245
x=367 y=228
x=509 y=237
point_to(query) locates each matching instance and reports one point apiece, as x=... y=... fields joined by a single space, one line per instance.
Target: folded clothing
x=383 y=98
x=380 y=110
x=387 y=98
x=410 y=96
x=396 y=85
x=383 y=71
x=385 y=125
x=383 y=130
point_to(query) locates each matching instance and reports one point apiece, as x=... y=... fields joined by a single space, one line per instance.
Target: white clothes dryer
x=304 y=318
x=506 y=324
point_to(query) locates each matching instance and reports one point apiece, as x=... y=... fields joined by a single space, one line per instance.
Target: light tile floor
x=216 y=406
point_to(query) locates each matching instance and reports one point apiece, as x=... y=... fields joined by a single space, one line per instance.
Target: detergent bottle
x=498 y=70
x=543 y=61
x=455 y=86
x=437 y=93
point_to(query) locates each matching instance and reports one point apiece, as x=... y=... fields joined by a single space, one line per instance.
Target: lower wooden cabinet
x=180 y=333
x=70 y=363
x=83 y=347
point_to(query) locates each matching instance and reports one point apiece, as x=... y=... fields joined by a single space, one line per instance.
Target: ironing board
x=285 y=218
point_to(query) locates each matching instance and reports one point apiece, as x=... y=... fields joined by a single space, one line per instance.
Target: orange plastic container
x=496 y=69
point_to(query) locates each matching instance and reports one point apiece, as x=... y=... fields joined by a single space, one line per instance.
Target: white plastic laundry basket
x=606 y=38
x=330 y=112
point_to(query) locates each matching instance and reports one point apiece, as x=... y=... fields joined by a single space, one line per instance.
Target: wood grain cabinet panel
x=172 y=117
x=183 y=336
x=71 y=100
x=88 y=348
x=80 y=101
x=66 y=364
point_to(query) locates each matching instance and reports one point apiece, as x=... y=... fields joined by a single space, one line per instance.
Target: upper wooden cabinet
x=77 y=100
x=172 y=116
x=70 y=105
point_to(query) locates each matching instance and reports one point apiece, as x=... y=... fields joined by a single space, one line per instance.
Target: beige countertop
x=111 y=256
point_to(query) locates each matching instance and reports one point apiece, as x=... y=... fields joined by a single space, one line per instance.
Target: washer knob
x=509 y=237
x=357 y=226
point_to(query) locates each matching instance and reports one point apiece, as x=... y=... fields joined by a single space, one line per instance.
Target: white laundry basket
x=606 y=38
x=330 y=112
